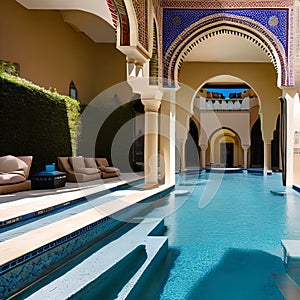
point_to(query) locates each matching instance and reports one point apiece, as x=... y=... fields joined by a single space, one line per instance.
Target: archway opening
x=225 y=149
x=275 y=147
x=257 y=146
x=191 y=146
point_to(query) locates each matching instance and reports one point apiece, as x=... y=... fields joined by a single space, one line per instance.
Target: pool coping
x=23 y=209
x=296 y=188
x=70 y=283
x=19 y=249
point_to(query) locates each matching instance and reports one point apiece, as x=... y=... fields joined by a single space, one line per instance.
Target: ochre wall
x=296 y=170
x=261 y=77
x=51 y=53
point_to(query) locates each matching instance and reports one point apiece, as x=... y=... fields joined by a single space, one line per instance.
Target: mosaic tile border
x=186 y=39
x=260 y=17
x=113 y=12
x=291 y=47
x=23 y=259
x=118 y=12
x=142 y=14
x=224 y=4
x=26 y=269
x=296 y=188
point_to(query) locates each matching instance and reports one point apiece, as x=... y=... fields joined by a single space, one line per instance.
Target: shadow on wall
x=241 y=274
x=100 y=126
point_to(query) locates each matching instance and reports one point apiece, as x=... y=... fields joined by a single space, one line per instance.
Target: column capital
x=289 y=90
x=151 y=105
x=203 y=147
x=141 y=85
x=245 y=147
x=267 y=141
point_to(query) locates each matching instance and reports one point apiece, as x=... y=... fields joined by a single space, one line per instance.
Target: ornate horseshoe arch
x=119 y=14
x=225 y=24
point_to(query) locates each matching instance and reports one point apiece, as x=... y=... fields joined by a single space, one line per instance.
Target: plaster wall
x=238 y=122
x=51 y=53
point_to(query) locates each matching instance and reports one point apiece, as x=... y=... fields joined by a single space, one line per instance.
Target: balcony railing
x=225 y=104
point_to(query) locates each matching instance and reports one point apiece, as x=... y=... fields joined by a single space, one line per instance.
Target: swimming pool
x=224 y=233
x=230 y=248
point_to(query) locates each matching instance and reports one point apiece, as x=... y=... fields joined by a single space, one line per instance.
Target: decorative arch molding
x=154 y=61
x=223 y=136
x=221 y=130
x=131 y=21
x=224 y=23
x=119 y=14
x=142 y=15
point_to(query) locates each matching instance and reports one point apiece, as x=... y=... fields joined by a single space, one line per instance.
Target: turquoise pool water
x=230 y=247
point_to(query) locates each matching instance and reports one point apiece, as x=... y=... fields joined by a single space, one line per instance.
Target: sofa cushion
x=87 y=171
x=90 y=162
x=10 y=178
x=28 y=162
x=109 y=169
x=18 y=172
x=102 y=162
x=11 y=163
x=77 y=163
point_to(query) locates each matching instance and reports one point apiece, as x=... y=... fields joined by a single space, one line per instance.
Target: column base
x=268 y=172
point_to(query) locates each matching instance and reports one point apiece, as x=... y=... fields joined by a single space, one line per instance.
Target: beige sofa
x=81 y=169
x=14 y=173
x=106 y=170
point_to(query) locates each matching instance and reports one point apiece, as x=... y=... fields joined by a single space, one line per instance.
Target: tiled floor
x=25 y=202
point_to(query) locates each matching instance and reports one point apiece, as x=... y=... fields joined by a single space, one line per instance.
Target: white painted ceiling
x=226 y=78
x=89 y=16
x=227 y=48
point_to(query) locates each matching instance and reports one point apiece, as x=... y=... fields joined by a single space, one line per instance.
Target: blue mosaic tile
x=24 y=270
x=296 y=188
x=175 y=21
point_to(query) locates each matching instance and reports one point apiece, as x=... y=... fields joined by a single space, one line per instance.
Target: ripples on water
x=230 y=248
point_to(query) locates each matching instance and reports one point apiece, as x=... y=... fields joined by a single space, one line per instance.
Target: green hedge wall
x=37 y=122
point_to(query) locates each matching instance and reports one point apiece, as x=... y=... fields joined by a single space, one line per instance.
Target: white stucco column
x=212 y=154
x=151 y=142
x=245 y=148
x=291 y=125
x=182 y=142
x=267 y=156
x=167 y=138
x=203 y=155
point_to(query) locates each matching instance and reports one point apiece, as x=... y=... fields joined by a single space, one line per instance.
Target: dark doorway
x=226 y=150
x=191 y=146
x=257 y=146
x=275 y=147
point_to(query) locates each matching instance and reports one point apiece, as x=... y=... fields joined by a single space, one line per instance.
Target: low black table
x=48 y=180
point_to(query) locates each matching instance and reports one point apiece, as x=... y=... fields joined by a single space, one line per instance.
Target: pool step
x=135 y=249
x=27 y=258
x=157 y=249
x=287 y=286
x=291 y=250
